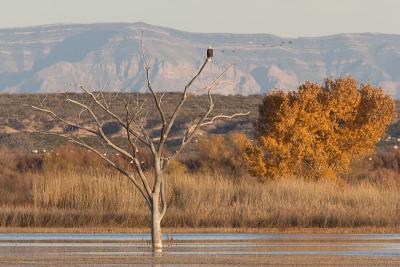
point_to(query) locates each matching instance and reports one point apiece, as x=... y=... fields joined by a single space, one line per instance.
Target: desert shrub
x=176 y=167
x=111 y=127
x=16 y=172
x=387 y=159
x=67 y=157
x=70 y=157
x=383 y=168
x=218 y=154
x=71 y=128
x=15 y=124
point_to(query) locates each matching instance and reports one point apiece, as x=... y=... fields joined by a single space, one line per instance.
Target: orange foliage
x=318 y=130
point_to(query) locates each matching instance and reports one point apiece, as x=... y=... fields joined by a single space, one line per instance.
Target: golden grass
x=101 y=198
x=288 y=230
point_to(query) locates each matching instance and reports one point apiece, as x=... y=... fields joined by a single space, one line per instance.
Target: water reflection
x=88 y=245
x=190 y=236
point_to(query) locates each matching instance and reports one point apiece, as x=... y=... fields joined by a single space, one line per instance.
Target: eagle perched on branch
x=210 y=53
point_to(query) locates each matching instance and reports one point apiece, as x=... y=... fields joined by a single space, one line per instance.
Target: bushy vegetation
x=218 y=154
x=16 y=175
x=317 y=131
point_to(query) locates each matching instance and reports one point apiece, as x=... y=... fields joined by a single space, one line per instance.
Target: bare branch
x=135 y=150
x=100 y=132
x=223 y=117
x=101 y=135
x=164 y=134
x=44 y=99
x=156 y=100
x=192 y=129
x=203 y=121
x=55 y=116
x=81 y=143
x=116 y=117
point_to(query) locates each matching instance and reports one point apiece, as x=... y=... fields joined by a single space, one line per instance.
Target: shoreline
x=290 y=230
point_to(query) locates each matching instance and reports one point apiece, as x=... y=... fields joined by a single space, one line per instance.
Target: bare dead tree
x=95 y=104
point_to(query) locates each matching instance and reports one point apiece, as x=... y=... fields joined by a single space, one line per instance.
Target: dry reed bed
x=93 y=198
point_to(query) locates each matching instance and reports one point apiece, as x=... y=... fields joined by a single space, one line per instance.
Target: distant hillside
x=58 y=57
x=17 y=119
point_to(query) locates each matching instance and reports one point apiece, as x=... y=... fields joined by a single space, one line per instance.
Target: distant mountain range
x=107 y=56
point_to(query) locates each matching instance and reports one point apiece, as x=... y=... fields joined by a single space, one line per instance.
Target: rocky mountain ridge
x=107 y=56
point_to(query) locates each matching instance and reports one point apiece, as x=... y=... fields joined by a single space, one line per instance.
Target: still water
x=28 y=248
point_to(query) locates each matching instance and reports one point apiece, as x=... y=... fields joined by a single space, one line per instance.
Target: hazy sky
x=280 y=17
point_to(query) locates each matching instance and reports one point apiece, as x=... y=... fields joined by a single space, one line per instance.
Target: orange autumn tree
x=318 y=130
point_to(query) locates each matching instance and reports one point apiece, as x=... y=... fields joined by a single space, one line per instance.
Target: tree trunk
x=156 y=235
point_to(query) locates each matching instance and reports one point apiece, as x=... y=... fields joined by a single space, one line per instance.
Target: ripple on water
x=200 y=244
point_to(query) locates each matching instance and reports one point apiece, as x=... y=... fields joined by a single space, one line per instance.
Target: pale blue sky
x=281 y=17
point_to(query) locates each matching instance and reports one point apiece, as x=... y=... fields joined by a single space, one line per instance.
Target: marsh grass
x=71 y=188
x=100 y=197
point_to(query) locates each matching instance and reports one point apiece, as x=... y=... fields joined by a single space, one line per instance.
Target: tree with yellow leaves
x=318 y=130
